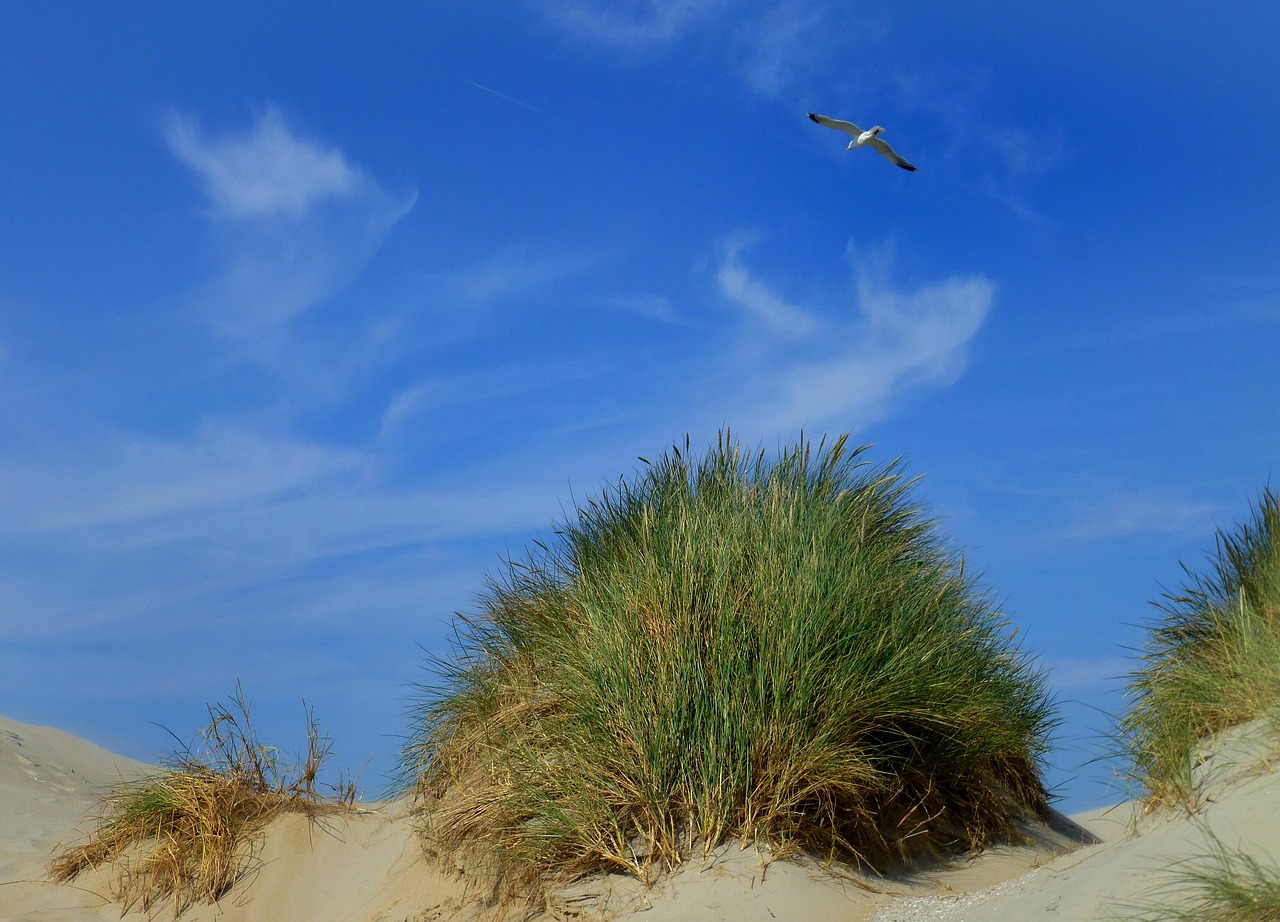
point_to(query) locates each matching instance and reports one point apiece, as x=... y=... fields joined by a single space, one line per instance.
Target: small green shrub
x=779 y=652
x=1212 y=662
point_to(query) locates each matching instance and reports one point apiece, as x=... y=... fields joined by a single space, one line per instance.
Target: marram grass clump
x=1223 y=885
x=187 y=833
x=1212 y=662
x=730 y=647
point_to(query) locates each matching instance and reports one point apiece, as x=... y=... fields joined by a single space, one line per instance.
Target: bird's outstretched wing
x=888 y=153
x=846 y=127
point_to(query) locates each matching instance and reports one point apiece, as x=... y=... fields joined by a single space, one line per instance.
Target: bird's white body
x=869 y=138
x=864 y=138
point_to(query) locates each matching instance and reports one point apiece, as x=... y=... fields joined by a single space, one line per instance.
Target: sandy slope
x=1131 y=867
x=362 y=867
x=48 y=783
x=366 y=867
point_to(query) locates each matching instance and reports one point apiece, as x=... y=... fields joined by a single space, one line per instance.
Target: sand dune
x=364 y=866
x=367 y=867
x=49 y=784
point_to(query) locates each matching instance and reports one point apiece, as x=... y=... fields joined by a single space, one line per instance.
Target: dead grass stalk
x=189 y=832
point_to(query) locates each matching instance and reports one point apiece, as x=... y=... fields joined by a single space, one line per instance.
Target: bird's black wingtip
x=814 y=117
x=907 y=166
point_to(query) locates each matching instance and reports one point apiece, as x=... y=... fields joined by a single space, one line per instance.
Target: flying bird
x=870 y=138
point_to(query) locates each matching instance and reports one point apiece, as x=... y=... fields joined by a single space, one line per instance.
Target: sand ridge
x=368 y=866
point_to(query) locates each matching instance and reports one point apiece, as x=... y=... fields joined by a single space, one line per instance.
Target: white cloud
x=409 y=404
x=513 y=273
x=273 y=274
x=132 y=531
x=852 y=356
x=771 y=44
x=134 y=480
x=654 y=307
x=443 y=306
x=264 y=172
x=1123 y=513
x=1080 y=675
x=788 y=41
x=738 y=285
x=1002 y=159
x=497 y=392
x=293 y=220
x=635 y=26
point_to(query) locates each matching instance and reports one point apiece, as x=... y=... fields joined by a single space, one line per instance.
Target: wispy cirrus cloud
x=264 y=172
x=1107 y=673
x=133 y=479
x=852 y=356
x=423 y=311
x=847 y=355
x=788 y=42
x=772 y=45
x=444 y=306
x=1000 y=157
x=1122 y=513
x=638 y=27
x=509 y=275
x=174 y=523
x=652 y=306
x=294 y=220
x=737 y=283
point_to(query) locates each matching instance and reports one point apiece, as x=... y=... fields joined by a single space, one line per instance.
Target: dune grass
x=780 y=652
x=187 y=832
x=1212 y=662
x=1221 y=886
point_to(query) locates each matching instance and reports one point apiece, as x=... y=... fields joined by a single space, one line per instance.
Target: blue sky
x=306 y=321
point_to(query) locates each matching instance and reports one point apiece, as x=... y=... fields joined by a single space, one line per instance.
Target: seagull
x=862 y=138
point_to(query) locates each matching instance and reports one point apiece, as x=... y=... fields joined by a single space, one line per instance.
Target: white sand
x=367 y=867
x=335 y=869
x=1132 y=865
x=48 y=783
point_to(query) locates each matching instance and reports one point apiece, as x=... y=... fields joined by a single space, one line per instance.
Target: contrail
x=480 y=86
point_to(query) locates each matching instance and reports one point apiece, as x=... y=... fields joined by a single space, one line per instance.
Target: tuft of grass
x=1222 y=886
x=729 y=647
x=1212 y=662
x=187 y=833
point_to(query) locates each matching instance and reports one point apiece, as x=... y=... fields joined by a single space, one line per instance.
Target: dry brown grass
x=189 y=832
